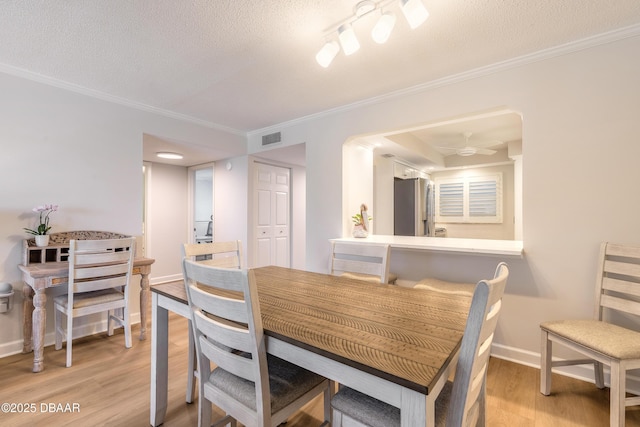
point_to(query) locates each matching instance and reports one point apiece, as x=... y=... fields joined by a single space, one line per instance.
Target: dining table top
x=404 y=335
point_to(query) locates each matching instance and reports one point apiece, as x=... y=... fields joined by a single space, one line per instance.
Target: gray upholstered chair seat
x=365 y=409
x=287 y=382
x=605 y=338
x=374 y=413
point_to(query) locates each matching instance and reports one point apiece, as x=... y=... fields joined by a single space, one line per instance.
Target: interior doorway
x=201 y=203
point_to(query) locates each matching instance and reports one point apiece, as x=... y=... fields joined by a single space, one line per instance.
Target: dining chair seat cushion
x=375 y=413
x=365 y=409
x=90 y=298
x=369 y=277
x=605 y=338
x=444 y=286
x=366 y=277
x=287 y=382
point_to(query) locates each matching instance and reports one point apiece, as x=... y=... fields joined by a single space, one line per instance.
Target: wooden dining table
x=393 y=343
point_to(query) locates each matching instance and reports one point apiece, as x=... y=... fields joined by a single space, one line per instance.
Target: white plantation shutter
x=469 y=199
x=452 y=199
x=483 y=196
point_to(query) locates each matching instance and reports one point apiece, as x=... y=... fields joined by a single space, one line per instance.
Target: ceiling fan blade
x=486 y=143
x=485 y=151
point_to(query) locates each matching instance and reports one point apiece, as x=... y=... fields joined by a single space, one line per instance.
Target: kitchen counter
x=510 y=248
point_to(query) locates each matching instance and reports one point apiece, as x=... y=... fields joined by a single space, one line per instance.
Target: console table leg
x=39 y=317
x=145 y=299
x=27 y=312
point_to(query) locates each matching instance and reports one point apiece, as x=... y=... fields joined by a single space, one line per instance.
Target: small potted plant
x=40 y=232
x=361 y=222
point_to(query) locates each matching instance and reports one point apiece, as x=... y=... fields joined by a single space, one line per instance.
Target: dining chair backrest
x=216 y=254
x=96 y=265
x=618 y=280
x=467 y=402
x=224 y=304
x=368 y=261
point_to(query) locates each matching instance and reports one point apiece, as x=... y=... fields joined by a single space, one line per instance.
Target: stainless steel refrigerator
x=413 y=207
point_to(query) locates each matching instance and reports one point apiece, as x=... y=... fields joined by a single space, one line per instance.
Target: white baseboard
x=15 y=347
x=580 y=372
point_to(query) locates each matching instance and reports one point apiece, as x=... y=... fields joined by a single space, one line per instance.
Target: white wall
x=383 y=195
x=298 y=217
x=83 y=154
x=580 y=175
x=167 y=227
x=230 y=201
x=357 y=184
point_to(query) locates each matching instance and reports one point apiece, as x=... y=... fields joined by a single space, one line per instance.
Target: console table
x=45 y=267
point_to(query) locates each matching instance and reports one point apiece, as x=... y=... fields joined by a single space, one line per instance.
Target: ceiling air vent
x=272 y=138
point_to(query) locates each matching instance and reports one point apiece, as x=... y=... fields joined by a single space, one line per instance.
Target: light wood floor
x=110 y=384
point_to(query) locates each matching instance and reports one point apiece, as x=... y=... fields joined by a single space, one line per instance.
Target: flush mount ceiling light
x=168 y=155
x=413 y=10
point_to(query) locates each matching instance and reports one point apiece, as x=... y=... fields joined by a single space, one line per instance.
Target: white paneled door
x=271 y=217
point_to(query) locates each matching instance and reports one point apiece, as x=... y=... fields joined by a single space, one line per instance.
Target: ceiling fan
x=476 y=148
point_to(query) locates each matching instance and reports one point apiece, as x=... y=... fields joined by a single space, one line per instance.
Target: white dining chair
x=99 y=277
x=363 y=261
x=599 y=339
x=247 y=384
x=216 y=254
x=461 y=403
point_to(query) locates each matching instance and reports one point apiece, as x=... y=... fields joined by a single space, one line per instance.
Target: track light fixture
x=413 y=10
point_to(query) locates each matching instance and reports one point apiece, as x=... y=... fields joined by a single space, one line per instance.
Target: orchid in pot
x=40 y=233
x=361 y=222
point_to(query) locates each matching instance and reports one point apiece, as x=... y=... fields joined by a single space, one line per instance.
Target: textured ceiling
x=246 y=65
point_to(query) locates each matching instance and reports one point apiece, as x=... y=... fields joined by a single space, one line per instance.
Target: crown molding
x=61 y=84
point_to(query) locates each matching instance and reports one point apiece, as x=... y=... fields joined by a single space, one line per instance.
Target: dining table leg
x=415 y=410
x=159 y=361
x=145 y=293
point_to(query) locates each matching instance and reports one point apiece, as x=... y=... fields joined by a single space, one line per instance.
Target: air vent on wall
x=272 y=138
